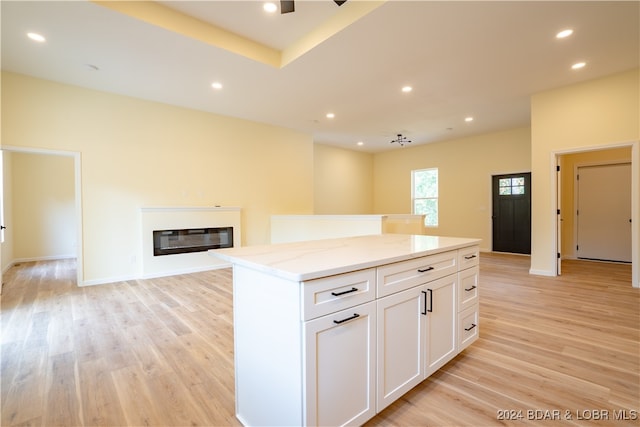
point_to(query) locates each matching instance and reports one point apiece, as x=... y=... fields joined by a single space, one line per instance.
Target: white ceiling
x=480 y=59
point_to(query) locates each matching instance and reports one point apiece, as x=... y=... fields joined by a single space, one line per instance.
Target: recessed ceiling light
x=360 y=143
x=36 y=37
x=564 y=33
x=407 y=89
x=578 y=65
x=270 y=7
x=468 y=119
x=330 y=115
x=216 y=85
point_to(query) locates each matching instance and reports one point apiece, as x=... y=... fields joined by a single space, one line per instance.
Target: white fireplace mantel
x=190 y=209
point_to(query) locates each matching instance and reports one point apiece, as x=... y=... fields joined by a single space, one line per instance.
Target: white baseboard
x=152 y=276
x=42 y=258
x=17 y=261
x=186 y=271
x=536 y=272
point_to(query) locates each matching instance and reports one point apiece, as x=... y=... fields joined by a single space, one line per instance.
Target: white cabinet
x=340 y=367
x=440 y=316
x=336 y=348
x=416 y=326
x=401 y=337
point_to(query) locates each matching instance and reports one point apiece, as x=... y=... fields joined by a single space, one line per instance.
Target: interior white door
x=604 y=212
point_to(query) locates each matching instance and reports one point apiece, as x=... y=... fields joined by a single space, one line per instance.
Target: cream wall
x=343 y=181
x=7 y=207
x=465 y=167
x=601 y=113
x=43 y=207
x=137 y=153
x=568 y=164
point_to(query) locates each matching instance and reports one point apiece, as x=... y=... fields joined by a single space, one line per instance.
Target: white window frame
x=414 y=198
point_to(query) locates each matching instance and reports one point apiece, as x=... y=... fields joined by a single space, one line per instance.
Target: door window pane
x=511 y=186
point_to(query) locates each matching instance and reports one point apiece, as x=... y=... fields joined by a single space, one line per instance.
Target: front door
x=511 y=213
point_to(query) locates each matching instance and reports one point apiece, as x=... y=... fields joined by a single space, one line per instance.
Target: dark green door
x=511 y=213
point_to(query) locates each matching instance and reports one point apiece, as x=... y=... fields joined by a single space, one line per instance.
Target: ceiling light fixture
x=468 y=119
x=36 y=37
x=401 y=140
x=407 y=89
x=578 y=65
x=360 y=143
x=330 y=115
x=216 y=85
x=270 y=7
x=564 y=33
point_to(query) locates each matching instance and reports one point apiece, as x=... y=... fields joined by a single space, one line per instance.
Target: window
x=424 y=194
x=511 y=186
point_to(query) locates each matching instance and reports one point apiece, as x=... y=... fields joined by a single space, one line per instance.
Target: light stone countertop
x=308 y=260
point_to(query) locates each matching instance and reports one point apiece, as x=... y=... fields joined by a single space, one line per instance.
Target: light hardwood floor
x=160 y=351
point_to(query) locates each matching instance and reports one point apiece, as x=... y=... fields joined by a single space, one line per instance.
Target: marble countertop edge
x=302 y=261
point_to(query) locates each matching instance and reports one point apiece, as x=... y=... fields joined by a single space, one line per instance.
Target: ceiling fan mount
x=288 y=6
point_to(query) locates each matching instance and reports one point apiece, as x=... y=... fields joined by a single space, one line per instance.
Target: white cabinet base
x=336 y=337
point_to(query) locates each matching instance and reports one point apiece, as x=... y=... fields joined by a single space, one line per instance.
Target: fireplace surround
x=169 y=218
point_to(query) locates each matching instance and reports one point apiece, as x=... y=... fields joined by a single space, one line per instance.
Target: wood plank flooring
x=159 y=352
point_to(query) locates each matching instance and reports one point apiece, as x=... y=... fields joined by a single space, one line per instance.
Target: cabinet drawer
x=468 y=288
x=403 y=275
x=468 y=257
x=468 y=327
x=330 y=294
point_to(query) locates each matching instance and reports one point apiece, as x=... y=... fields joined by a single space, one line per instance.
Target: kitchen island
x=330 y=332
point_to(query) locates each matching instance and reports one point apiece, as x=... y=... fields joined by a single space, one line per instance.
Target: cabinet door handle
x=425 y=303
x=470 y=256
x=430 y=309
x=337 y=294
x=424 y=270
x=470 y=289
x=473 y=325
x=355 y=315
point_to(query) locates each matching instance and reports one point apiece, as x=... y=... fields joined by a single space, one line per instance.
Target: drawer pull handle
x=470 y=289
x=424 y=270
x=470 y=256
x=473 y=325
x=355 y=315
x=337 y=294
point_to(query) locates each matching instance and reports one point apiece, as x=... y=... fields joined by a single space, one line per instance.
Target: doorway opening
x=565 y=165
x=72 y=230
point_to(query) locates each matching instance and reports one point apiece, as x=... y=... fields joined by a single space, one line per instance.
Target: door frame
x=77 y=166
x=635 y=201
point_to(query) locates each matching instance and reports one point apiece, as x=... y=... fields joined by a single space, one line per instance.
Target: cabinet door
x=401 y=333
x=340 y=363
x=441 y=317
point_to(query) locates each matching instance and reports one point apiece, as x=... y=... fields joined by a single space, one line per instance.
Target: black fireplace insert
x=170 y=242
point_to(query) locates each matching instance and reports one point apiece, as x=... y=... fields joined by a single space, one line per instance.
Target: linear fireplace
x=169 y=242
